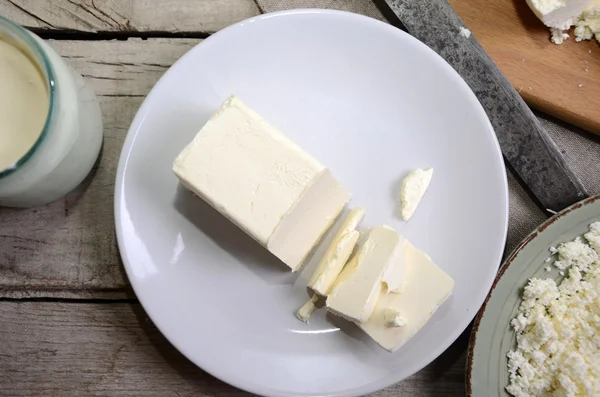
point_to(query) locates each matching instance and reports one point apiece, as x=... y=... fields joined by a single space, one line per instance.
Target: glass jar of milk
x=50 y=121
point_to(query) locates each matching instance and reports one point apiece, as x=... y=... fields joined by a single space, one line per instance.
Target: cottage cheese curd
x=558 y=327
x=561 y=15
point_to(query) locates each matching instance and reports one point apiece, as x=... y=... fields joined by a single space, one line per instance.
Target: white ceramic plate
x=371 y=103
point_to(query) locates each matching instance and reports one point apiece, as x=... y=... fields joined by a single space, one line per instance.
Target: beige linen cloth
x=581 y=149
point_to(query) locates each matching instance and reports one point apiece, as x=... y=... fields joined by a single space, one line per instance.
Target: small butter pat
x=261 y=181
x=413 y=188
x=337 y=254
x=393 y=318
x=377 y=268
x=307 y=309
x=427 y=289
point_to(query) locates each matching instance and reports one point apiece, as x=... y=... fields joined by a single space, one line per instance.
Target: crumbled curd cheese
x=577 y=253
x=558 y=327
x=464 y=32
x=593 y=236
x=558 y=36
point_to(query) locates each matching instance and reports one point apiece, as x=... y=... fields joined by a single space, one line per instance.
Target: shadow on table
x=230 y=238
x=457 y=351
x=202 y=382
x=65 y=248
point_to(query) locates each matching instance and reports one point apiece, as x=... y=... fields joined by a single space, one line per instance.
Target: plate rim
x=510 y=260
x=136 y=125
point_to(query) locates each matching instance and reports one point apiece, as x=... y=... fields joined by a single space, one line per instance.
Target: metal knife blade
x=524 y=142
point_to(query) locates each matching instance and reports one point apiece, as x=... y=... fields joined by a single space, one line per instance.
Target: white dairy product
x=558 y=36
x=414 y=186
x=377 y=268
x=303 y=314
x=588 y=25
x=561 y=15
x=427 y=288
x=464 y=32
x=558 y=327
x=393 y=318
x=24 y=103
x=333 y=261
x=593 y=236
x=261 y=181
x=337 y=254
x=62 y=152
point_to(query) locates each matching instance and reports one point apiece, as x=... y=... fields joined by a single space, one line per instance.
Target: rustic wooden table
x=69 y=322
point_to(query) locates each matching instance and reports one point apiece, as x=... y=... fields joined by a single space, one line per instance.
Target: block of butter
x=427 y=287
x=261 y=181
x=379 y=267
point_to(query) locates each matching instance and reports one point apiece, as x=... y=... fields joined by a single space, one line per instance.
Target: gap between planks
x=175 y=16
x=70 y=300
x=110 y=35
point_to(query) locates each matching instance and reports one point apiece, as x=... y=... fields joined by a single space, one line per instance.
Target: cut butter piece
x=261 y=181
x=377 y=268
x=337 y=254
x=426 y=290
x=414 y=186
x=333 y=261
x=307 y=309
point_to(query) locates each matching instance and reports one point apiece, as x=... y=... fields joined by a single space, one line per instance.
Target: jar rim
x=24 y=37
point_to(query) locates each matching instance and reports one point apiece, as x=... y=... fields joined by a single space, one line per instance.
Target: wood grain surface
x=67 y=248
x=99 y=349
x=171 y=16
x=561 y=80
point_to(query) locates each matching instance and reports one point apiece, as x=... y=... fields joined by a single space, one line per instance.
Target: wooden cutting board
x=561 y=80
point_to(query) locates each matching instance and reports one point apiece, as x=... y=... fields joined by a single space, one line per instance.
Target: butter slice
x=426 y=290
x=337 y=254
x=303 y=314
x=261 y=181
x=414 y=186
x=377 y=268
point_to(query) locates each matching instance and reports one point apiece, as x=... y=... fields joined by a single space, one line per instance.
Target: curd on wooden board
x=50 y=121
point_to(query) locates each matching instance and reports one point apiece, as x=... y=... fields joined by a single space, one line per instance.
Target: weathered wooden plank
x=123 y=68
x=67 y=248
x=52 y=349
x=182 y=16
